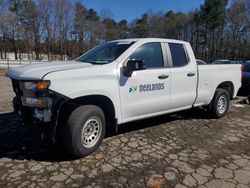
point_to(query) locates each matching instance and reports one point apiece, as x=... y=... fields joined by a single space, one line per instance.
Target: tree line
x=59 y=28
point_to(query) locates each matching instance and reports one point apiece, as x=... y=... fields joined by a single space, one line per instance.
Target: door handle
x=191 y=74
x=161 y=77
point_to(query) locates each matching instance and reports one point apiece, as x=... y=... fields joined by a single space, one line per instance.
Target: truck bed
x=210 y=76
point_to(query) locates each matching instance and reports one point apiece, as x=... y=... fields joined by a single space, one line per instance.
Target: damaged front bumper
x=38 y=107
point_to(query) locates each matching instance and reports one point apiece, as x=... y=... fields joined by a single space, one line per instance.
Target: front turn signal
x=42 y=85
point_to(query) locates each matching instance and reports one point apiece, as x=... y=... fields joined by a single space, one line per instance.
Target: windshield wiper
x=83 y=61
x=94 y=62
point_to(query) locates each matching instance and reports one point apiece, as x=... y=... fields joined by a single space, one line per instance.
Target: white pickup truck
x=118 y=82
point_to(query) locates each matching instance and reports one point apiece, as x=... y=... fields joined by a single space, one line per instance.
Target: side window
x=151 y=53
x=178 y=54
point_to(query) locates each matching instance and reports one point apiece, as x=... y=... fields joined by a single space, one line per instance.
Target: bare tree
x=31 y=24
x=94 y=29
x=8 y=31
x=80 y=26
x=58 y=28
x=238 y=27
x=47 y=9
x=15 y=6
x=64 y=14
x=156 y=25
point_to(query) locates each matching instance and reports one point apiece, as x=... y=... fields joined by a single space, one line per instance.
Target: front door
x=146 y=92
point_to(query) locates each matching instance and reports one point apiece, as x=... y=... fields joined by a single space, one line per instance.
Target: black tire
x=217 y=110
x=79 y=119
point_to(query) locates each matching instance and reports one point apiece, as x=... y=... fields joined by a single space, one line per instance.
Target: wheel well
x=101 y=101
x=229 y=87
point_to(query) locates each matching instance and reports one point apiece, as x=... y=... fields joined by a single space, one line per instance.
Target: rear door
x=183 y=75
x=146 y=92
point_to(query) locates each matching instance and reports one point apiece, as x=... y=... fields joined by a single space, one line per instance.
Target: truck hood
x=37 y=71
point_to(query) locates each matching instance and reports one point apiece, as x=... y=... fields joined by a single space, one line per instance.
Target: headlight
x=36 y=102
x=35 y=94
x=29 y=85
x=43 y=85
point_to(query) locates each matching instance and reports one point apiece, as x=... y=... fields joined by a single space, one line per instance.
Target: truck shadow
x=22 y=143
x=155 y=121
x=243 y=92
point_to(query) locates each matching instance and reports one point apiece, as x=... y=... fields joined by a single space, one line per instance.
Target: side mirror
x=133 y=65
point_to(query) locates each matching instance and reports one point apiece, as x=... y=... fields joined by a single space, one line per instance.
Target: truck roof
x=148 y=40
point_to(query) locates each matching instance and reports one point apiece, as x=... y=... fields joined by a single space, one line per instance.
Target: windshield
x=105 y=53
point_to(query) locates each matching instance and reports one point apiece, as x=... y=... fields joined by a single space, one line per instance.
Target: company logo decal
x=146 y=87
x=133 y=89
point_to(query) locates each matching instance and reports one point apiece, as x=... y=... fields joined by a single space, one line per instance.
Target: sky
x=132 y=9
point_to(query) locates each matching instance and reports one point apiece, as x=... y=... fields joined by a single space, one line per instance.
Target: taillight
x=241 y=73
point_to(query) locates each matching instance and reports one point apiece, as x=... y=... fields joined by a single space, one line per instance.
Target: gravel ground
x=181 y=150
x=6 y=95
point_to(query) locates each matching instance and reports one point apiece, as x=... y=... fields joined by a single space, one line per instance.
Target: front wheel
x=84 y=130
x=220 y=103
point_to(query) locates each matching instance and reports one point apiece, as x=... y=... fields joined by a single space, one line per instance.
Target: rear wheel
x=220 y=103
x=84 y=130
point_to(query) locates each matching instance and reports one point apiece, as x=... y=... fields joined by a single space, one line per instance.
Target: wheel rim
x=222 y=104
x=91 y=132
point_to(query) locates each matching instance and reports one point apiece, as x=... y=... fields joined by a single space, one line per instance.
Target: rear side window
x=178 y=54
x=151 y=54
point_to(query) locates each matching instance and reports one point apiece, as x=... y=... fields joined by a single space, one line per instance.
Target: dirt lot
x=181 y=150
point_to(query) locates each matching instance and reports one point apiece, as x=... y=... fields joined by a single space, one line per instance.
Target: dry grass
x=2 y=71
